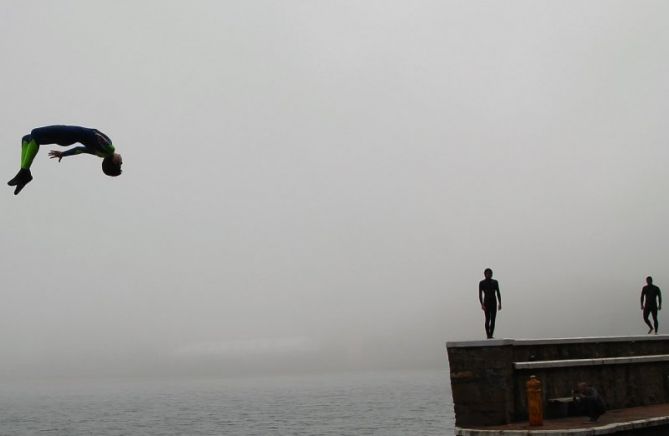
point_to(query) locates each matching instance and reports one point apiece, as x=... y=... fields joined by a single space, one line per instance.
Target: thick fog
x=318 y=185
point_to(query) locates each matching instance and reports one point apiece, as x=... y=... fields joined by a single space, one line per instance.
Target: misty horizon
x=319 y=186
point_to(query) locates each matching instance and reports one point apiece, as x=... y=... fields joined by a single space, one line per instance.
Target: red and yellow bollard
x=535 y=407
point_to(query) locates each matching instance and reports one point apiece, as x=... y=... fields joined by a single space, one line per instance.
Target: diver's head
x=111 y=165
x=487 y=273
x=649 y=280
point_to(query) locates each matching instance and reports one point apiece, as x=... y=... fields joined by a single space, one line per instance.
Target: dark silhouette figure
x=650 y=307
x=588 y=402
x=488 y=297
x=93 y=142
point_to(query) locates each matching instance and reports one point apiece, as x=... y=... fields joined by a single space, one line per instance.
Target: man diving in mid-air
x=93 y=141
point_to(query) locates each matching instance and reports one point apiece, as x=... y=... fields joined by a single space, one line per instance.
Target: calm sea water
x=384 y=403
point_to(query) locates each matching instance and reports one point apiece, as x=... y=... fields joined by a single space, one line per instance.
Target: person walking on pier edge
x=650 y=307
x=489 y=297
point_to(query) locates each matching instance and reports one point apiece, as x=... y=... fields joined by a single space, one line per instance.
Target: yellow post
x=535 y=408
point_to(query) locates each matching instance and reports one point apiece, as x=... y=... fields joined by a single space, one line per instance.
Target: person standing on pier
x=652 y=294
x=491 y=301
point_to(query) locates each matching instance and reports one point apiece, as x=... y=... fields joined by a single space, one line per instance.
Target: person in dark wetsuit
x=489 y=297
x=94 y=142
x=652 y=294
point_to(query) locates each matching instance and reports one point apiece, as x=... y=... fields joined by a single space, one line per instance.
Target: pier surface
x=643 y=420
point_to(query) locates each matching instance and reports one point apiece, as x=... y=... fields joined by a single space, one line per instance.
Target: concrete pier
x=631 y=373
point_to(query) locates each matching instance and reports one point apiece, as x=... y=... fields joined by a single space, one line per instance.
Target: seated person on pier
x=588 y=401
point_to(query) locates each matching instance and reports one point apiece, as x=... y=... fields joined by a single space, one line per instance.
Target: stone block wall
x=482 y=382
x=487 y=390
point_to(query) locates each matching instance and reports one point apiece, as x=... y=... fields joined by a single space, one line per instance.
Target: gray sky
x=318 y=185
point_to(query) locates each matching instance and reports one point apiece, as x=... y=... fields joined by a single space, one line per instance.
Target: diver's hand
x=55 y=154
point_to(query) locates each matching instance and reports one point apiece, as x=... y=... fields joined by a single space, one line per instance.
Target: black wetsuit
x=93 y=141
x=490 y=289
x=652 y=294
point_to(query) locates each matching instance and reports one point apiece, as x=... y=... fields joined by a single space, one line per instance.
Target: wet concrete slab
x=620 y=421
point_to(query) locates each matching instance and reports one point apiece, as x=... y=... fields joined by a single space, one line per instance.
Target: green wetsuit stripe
x=29 y=150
